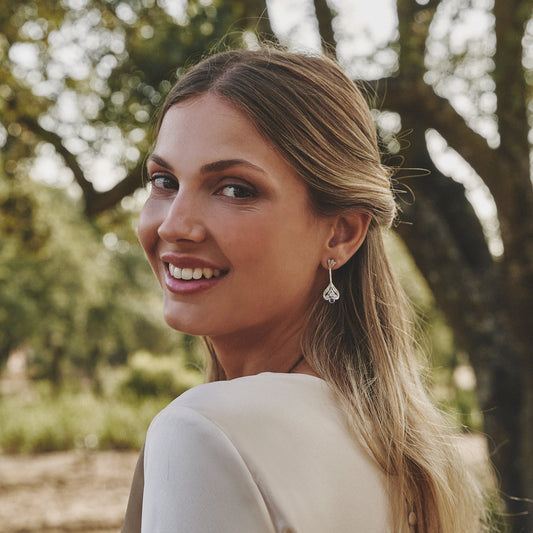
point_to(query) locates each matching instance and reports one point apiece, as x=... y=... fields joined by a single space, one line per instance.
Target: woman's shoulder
x=261 y=409
x=255 y=384
x=268 y=412
x=266 y=394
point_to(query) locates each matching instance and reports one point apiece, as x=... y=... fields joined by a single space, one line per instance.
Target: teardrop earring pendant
x=331 y=294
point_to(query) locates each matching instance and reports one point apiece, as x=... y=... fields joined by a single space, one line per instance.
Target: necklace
x=295 y=365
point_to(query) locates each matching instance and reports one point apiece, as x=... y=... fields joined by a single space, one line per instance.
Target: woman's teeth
x=193 y=273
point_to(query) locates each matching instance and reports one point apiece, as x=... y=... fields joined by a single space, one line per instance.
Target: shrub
x=158 y=376
x=78 y=418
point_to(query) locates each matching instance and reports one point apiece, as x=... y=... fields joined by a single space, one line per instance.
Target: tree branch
x=100 y=202
x=413 y=26
x=448 y=201
x=68 y=157
x=324 y=17
x=262 y=27
x=95 y=202
x=414 y=98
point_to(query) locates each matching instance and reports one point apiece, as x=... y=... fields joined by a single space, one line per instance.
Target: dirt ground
x=65 y=492
x=87 y=492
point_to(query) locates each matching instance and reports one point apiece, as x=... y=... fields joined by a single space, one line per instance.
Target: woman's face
x=227 y=227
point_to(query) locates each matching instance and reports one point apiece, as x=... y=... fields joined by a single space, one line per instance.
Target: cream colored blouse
x=265 y=453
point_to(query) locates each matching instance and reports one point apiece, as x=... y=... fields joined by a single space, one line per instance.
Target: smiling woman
x=263 y=227
x=224 y=199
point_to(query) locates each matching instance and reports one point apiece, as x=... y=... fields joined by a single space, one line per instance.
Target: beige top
x=266 y=453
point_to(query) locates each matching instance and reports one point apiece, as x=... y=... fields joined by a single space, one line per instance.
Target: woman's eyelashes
x=162 y=181
x=237 y=191
x=230 y=189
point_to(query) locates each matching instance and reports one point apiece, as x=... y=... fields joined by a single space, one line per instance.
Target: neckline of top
x=283 y=375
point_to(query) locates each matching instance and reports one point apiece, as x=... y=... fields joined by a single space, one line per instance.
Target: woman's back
x=271 y=452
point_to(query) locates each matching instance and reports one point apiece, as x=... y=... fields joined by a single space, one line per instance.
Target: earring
x=331 y=294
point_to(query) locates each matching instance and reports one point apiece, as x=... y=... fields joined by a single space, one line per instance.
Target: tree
x=131 y=48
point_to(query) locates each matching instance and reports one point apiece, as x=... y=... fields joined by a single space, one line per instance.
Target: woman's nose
x=183 y=221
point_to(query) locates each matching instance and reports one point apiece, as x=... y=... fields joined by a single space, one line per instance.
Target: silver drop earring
x=331 y=294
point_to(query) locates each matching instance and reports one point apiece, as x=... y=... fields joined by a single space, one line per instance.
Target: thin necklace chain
x=295 y=365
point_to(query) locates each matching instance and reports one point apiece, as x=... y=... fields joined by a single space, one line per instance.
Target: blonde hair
x=318 y=119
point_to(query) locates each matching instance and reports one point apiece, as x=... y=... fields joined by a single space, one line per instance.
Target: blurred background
x=85 y=358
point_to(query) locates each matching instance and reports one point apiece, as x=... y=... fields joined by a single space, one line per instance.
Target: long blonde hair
x=318 y=120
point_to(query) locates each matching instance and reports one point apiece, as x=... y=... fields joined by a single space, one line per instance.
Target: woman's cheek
x=147 y=229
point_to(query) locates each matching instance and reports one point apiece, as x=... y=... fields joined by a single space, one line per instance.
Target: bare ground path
x=65 y=492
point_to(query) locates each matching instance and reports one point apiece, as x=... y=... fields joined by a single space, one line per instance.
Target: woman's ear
x=348 y=232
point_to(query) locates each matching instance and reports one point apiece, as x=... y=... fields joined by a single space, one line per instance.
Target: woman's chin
x=189 y=322
x=185 y=326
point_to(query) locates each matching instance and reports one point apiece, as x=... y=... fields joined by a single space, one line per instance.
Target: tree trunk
x=470 y=293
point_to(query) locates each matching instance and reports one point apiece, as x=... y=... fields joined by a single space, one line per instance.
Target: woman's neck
x=253 y=352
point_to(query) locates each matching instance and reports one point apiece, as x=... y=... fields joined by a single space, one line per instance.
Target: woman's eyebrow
x=160 y=161
x=215 y=166
x=224 y=164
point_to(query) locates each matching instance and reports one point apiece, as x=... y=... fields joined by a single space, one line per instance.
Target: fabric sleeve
x=195 y=480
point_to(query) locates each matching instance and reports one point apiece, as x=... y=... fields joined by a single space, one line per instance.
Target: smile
x=187 y=274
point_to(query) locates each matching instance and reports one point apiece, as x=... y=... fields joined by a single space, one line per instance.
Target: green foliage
x=79 y=419
x=74 y=420
x=75 y=295
x=162 y=376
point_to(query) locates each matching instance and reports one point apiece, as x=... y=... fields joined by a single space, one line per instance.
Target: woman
x=263 y=226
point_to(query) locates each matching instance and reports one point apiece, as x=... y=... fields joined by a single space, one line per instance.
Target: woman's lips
x=187 y=274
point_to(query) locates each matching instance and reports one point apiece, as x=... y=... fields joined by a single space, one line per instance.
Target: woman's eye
x=237 y=191
x=163 y=182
